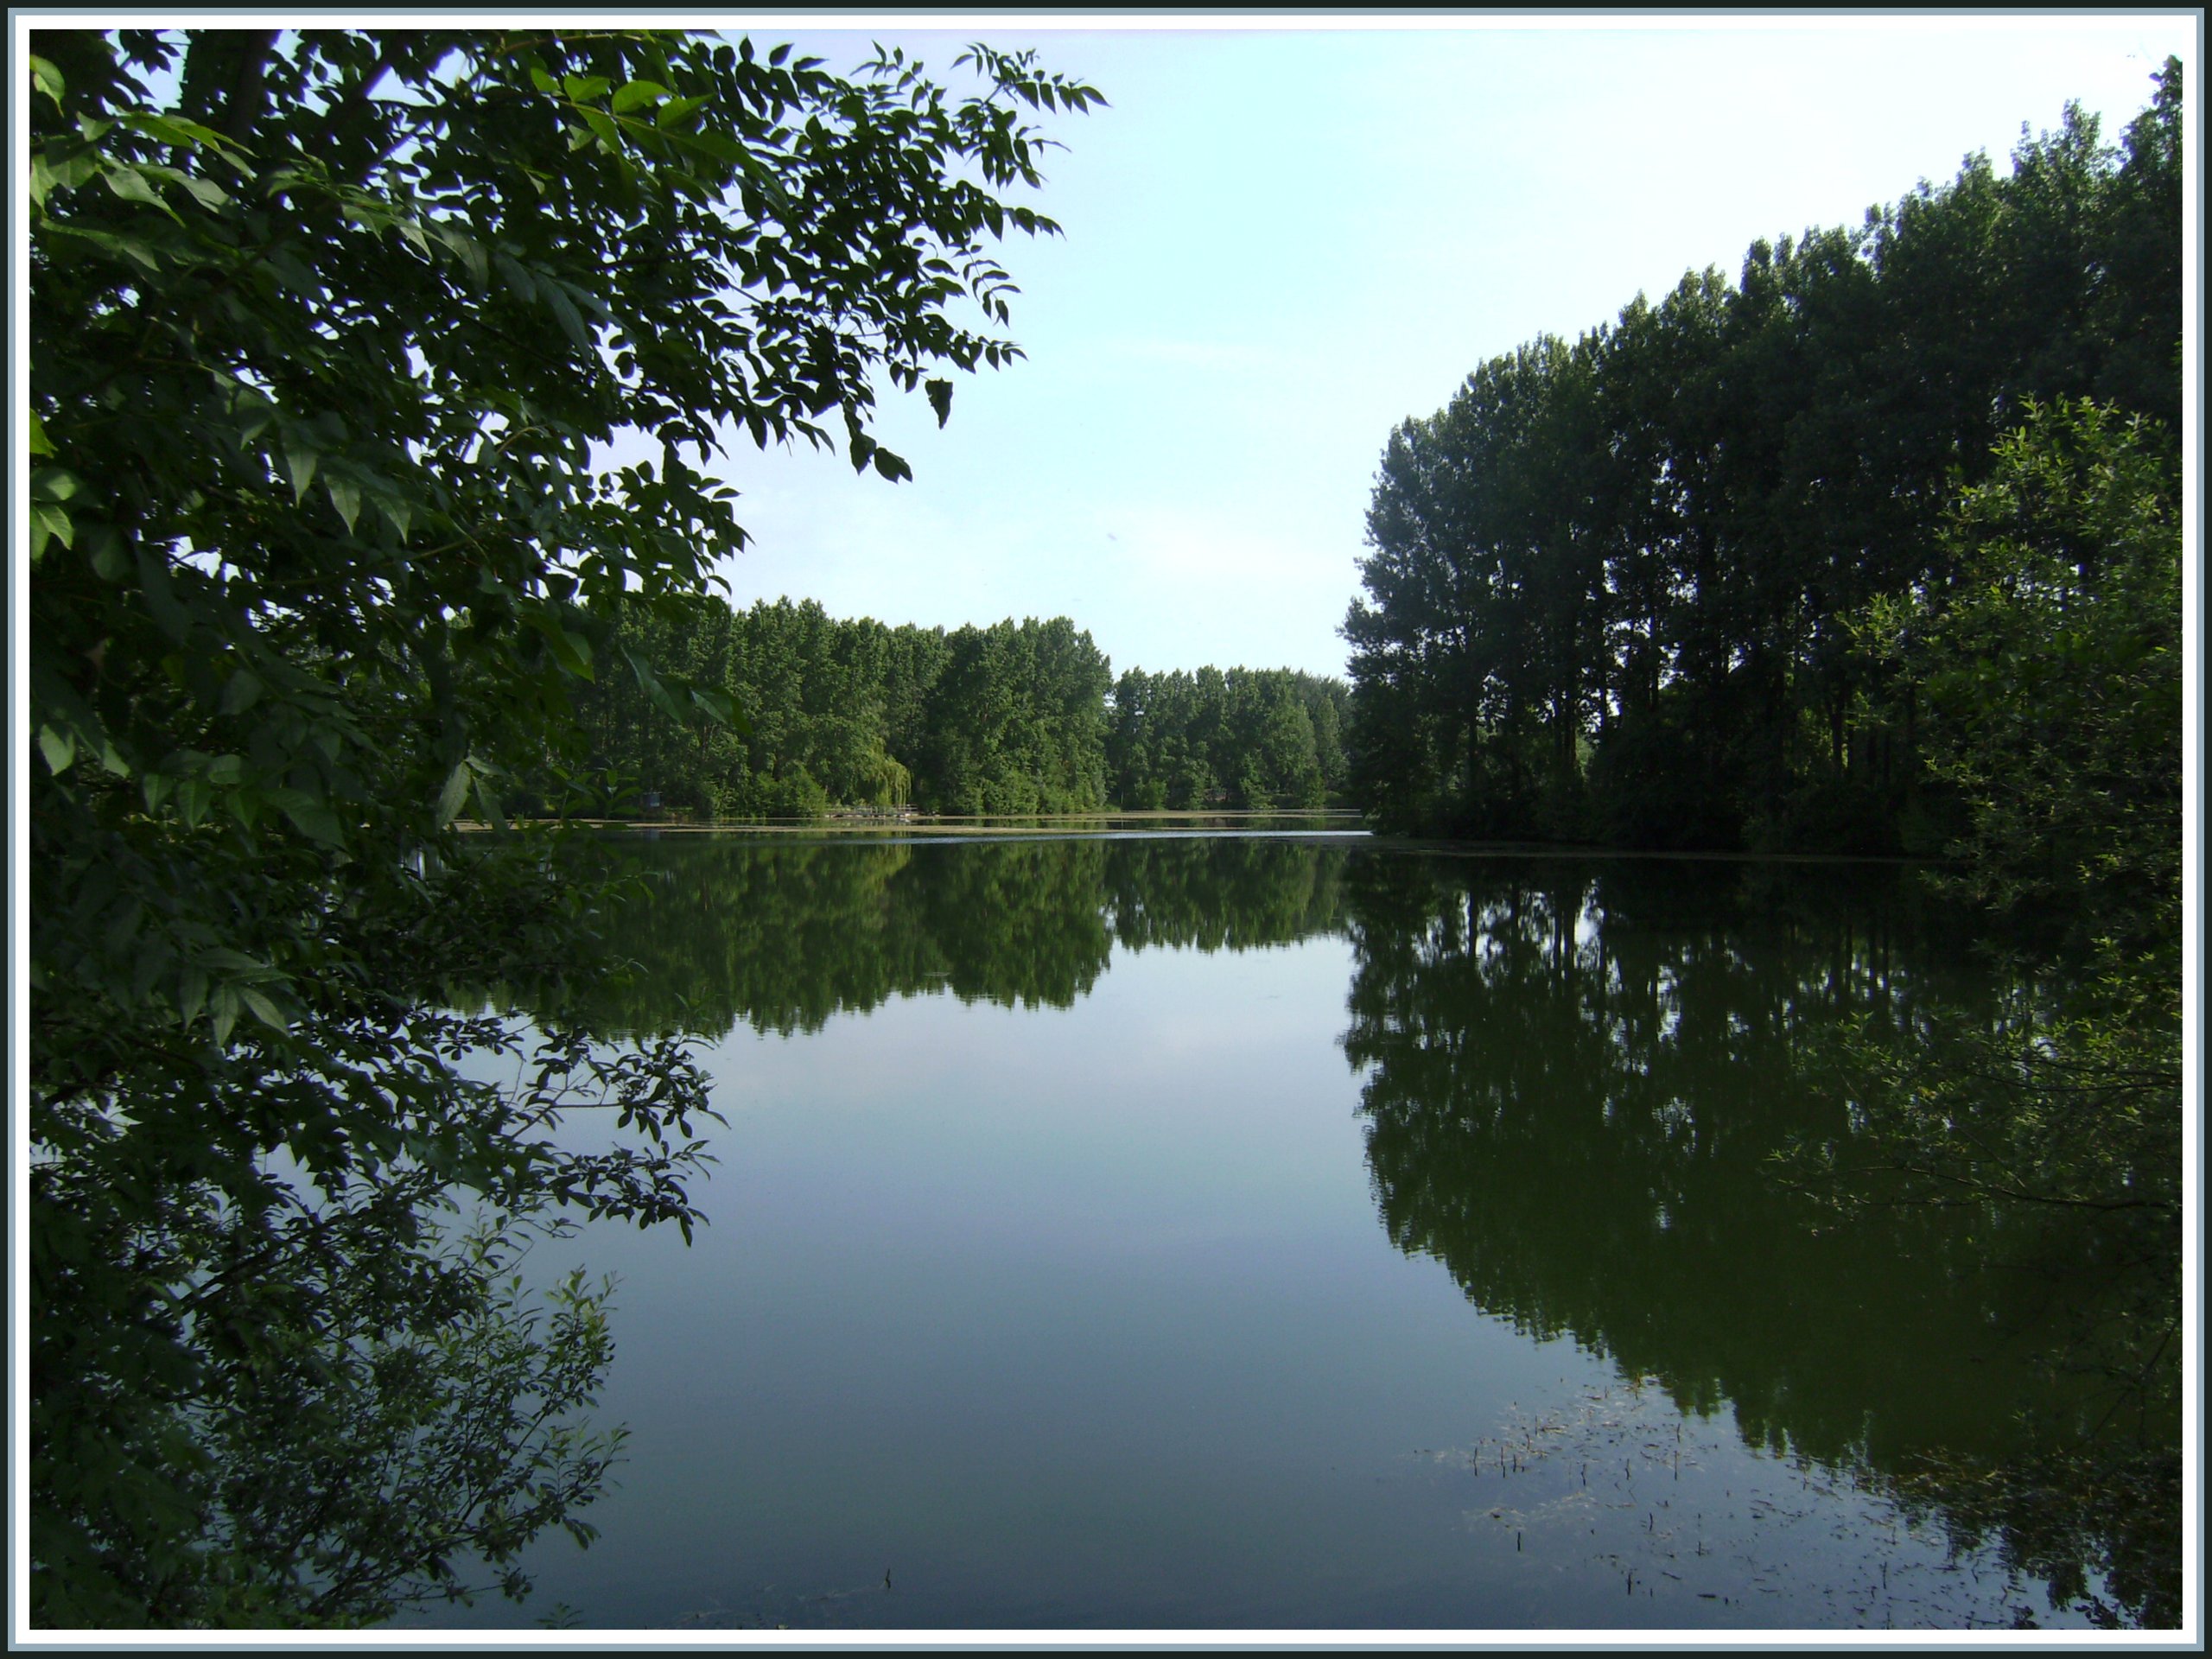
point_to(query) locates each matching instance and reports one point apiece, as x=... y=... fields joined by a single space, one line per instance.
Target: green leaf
x=241 y=694
x=206 y=192
x=48 y=79
x=718 y=146
x=720 y=708
x=940 y=396
x=300 y=459
x=105 y=547
x=638 y=92
x=345 y=497
x=59 y=748
x=571 y=650
x=602 y=126
x=54 y=484
x=399 y=510
x=39 y=444
x=223 y=1008
x=517 y=277
x=575 y=652
x=264 y=1010
x=310 y=815
x=127 y=182
x=454 y=792
x=177 y=131
x=192 y=992
x=572 y=324
x=48 y=522
x=650 y=682
x=466 y=249
x=236 y=962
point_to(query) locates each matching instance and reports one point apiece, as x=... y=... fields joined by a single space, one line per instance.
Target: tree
x=1016 y=721
x=2049 y=668
x=1610 y=584
x=327 y=331
x=2139 y=289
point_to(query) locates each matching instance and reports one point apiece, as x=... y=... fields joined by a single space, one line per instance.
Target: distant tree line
x=1249 y=737
x=1014 y=718
x=1627 y=588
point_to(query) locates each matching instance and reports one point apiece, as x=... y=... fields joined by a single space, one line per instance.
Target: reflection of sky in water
x=1084 y=1316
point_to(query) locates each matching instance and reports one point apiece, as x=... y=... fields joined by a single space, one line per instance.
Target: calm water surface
x=1247 y=1231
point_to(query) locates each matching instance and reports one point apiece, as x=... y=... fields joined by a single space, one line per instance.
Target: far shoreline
x=1344 y=822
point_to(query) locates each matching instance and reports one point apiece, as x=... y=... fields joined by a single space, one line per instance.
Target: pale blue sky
x=1280 y=242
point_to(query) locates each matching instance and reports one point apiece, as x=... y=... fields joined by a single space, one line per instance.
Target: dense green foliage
x=1618 y=586
x=324 y=329
x=2047 y=673
x=1017 y=719
x=1247 y=738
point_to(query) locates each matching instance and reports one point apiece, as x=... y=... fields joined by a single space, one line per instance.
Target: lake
x=1249 y=1230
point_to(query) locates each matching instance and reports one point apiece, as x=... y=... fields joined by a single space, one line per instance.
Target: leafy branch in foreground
x=373 y=379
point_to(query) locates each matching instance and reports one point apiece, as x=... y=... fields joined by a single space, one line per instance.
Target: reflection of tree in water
x=1576 y=1090
x=781 y=934
x=1218 y=895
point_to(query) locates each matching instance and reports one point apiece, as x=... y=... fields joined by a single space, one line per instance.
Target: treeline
x=1620 y=588
x=1255 y=738
x=1016 y=718
x=1002 y=719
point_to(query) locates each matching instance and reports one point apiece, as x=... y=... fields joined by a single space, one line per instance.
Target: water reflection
x=780 y=936
x=1581 y=1093
x=1579 y=1083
